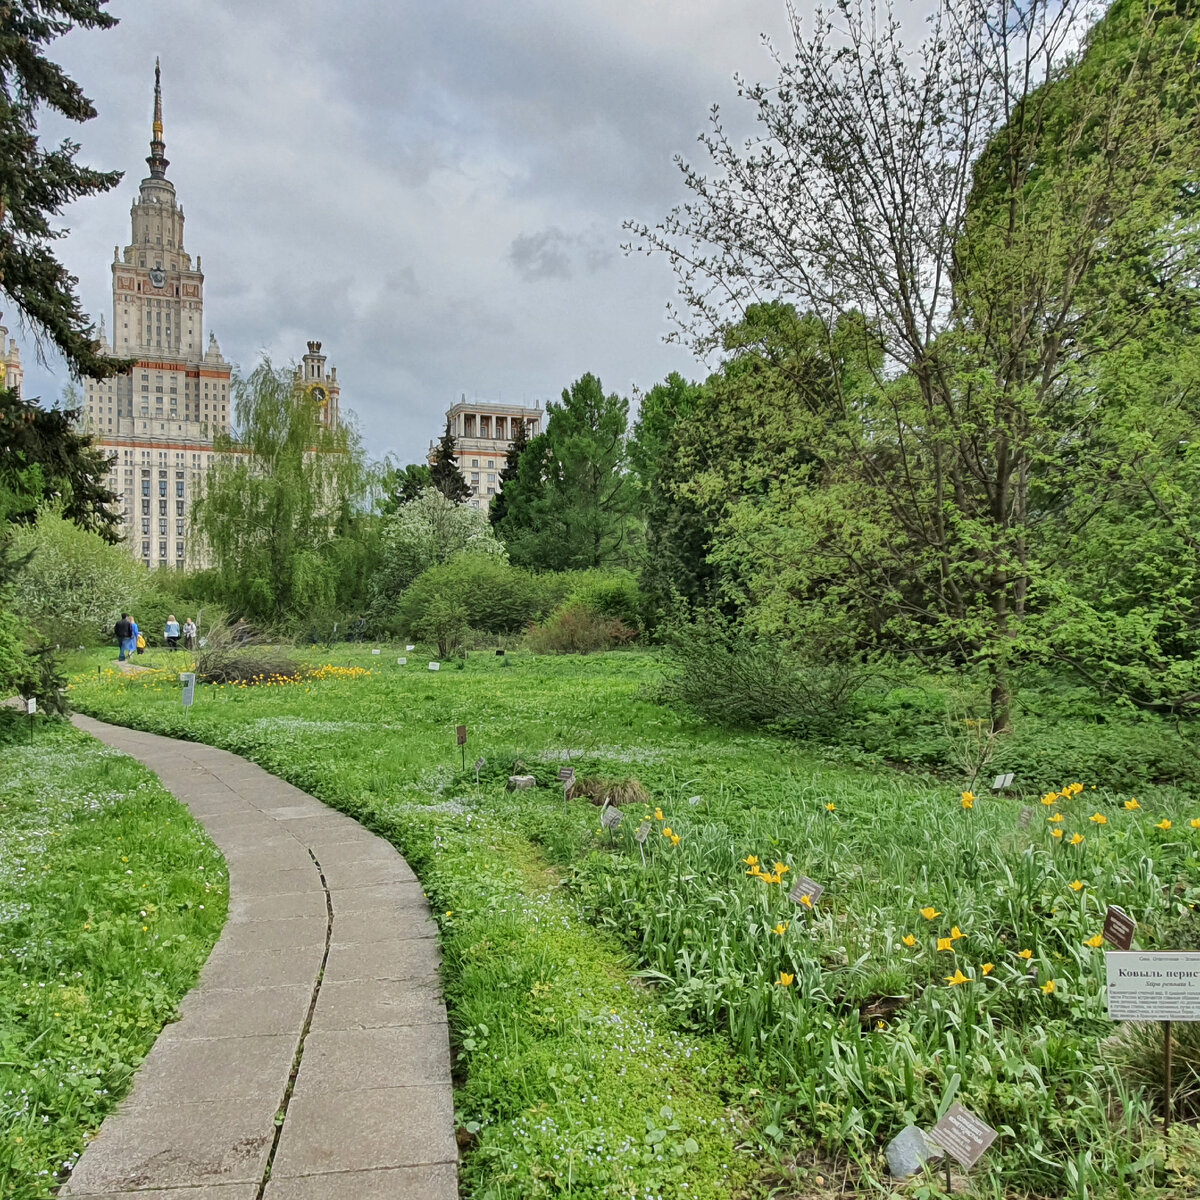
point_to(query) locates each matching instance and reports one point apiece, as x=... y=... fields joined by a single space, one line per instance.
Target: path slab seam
x=345 y=950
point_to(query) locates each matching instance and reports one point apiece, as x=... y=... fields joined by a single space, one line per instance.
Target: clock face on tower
x=158 y=277
x=319 y=394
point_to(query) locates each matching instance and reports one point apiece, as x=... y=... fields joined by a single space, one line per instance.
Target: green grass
x=111 y=898
x=621 y=1028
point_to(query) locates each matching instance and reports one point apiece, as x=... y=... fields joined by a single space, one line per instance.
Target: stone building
x=12 y=374
x=483 y=433
x=161 y=419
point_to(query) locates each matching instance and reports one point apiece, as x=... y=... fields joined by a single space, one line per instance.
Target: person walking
x=171 y=633
x=139 y=642
x=123 y=632
x=189 y=634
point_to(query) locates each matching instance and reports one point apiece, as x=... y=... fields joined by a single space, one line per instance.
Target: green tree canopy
x=446 y=476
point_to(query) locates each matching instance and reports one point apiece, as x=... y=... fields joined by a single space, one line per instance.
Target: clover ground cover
x=611 y=1017
x=111 y=898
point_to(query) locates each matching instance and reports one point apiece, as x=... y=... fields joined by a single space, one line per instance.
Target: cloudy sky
x=433 y=188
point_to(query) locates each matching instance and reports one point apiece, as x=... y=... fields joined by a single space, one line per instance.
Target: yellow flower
x=1048 y=988
x=450 y=913
x=1049 y=798
x=988 y=968
x=784 y=980
x=968 y=800
x=1095 y=942
x=1132 y=804
x=780 y=868
x=658 y=815
x=666 y=831
x=930 y=912
x=1195 y=822
x=1076 y=885
x=830 y=807
x=1076 y=839
x=1163 y=824
x=957 y=978
x=1056 y=833
x=751 y=860
x=909 y=940
x=956 y=933
x=781 y=928
x=1054 y=820
x=756 y=872
x=945 y=944
x=1024 y=953
x=1098 y=819
x=806 y=900
x=674 y=839
x=145 y=929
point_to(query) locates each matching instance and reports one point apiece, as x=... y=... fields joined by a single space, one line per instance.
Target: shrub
x=575 y=629
x=730 y=677
x=444 y=621
x=1138 y=1050
x=225 y=658
x=609 y=593
x=616 y=791
x=496 y=597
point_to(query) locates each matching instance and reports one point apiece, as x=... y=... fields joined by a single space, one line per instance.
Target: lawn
x=111 y=898
x=661 y=1019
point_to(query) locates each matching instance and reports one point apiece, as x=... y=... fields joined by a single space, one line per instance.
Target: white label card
x=610 y=818
x=1153 y=987
x=435 y=666
x=31 y=707
x=1002 y=781
x=402 y=662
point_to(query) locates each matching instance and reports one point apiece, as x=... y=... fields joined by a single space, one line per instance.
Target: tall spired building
x=160 y=419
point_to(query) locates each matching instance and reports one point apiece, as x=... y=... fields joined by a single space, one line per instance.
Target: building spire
x=157 y=160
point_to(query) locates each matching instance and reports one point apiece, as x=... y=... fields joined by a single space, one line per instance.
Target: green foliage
x=402 y=485
x=425 y=533
x=37 y=674
x=492 y=596
x=445 y=475
x=112 y=899
x=75 y=584
x=574 y=628
x=613 y=592
x=498 y=509
x=273 y=516
x=36 y=184
x=572 y=501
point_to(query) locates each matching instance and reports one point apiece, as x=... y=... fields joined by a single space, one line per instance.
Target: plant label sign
x=643 y=832
x=402 y=662
x=189 y=688
x=435 y=666
x=610 y=818
x=1026 y=817
x=376 y=651
x=1002 y=782
x=410 y=649
x=479 y=764
x=1153 y=987
x=805 y=888
x=1119 y=928
x=963 y=1135
x=462 y=735
x=566 y=775
x=31 y=706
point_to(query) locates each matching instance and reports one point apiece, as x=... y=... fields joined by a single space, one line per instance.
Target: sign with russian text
x=1153 y=987
x=805 y=888
x=437 y=666
x=643 y=832
x=999 y=784
x=376 y=651
x=566 y=774
x=610 y=818
x=402 y=662
x=1025 y=819
x=963 y=1135
x=189 y=688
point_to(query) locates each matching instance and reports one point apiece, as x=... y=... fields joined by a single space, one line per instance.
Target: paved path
x=320 y=1001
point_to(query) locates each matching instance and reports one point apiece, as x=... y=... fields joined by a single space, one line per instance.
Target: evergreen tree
x=520 y=440
x=36 y=183
x=402 y=485
x=446 y=476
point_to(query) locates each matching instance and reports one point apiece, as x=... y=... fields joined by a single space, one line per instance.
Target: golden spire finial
x=157 y=129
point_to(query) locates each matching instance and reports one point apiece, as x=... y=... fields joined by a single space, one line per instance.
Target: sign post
x=610 y=818
x=31 y=708
x=1154 y=987
x=1119 y=928
x=1001 y=784
x=462 y=742
x=478 y=763
x=566 y=776
x=643 y=832
x=963 y=1136
x=806 y=891
x=189 y=687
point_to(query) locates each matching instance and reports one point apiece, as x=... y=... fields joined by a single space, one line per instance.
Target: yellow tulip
x=945 y=944
x=1054 y=820
x=1076 y=885
x=784 y=980
x=957 y=978
x=956 y=933
x=1076 y=839
x=1056 y=833
x=1048 y=988
x=930 y=912
x=781 y=928
x=909 y=940
x=750 y=860
x=1095 y=942
x=1132 y=804
x=1163 y=824
x=830 y=807
x=1098 y=819
x=1025 y=954
x=988 y=968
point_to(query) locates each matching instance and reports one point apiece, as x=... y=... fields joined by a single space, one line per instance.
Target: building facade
x=160 y=420
x=12 y=374
x=483 y=434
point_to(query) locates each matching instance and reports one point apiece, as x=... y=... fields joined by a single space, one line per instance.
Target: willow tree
x=1004 y=206
x=282 y=496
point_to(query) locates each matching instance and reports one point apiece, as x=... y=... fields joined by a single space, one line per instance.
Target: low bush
x=576 y=629
x=615 y=791
x=226 y=657
x=494 y=596
x=609 y=593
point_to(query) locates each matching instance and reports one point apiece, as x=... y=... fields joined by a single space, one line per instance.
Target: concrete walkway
x=311 y=1062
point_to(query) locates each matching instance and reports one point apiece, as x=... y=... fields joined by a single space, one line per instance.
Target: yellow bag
x=141 y=642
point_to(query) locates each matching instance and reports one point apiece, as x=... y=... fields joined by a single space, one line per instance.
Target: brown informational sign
x=963 y=1135
x=805 y=887
x=1119 y=928
x=1153 y=986
x=610 y=818
x=643 y=832
x=1026 y=818
x=566 y=774
x=462 y=735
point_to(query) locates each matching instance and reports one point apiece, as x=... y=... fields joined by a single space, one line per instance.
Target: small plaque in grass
x=1119 y=928
x=805 y=889
x=643 y=832
x=1025 y=819
x=610 y=818
x=376 y=651
x=402 y=662
x=1002 y=782
x=963 y=1135
x=462 y=735
x=435 y=666
x=566 y=774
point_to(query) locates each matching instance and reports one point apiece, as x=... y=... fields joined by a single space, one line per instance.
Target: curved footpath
x=319 y=1005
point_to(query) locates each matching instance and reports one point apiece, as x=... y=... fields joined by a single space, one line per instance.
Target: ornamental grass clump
x=615 y=791
x=232 y=657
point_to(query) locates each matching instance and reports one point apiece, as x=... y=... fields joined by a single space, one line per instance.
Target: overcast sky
x=433 y=188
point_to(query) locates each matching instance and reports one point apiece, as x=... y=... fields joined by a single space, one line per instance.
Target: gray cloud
x=435 y=191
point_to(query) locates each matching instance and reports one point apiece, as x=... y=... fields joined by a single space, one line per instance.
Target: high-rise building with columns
x=483 y=434
x=160 y=419
x=12 y=374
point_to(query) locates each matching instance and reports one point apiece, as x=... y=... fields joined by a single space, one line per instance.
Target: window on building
x=162 y=528
x=178 y=549
x=491 y=477
x=474 y=462
x=146 y=507
x=146 y=552
x=162 y=549
x=179 y=487
x=162 y=487
x=178 y=528
x=145 y=487
x=162 y=508
x=491 y=462
x=179 y=508
x=145 y=524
